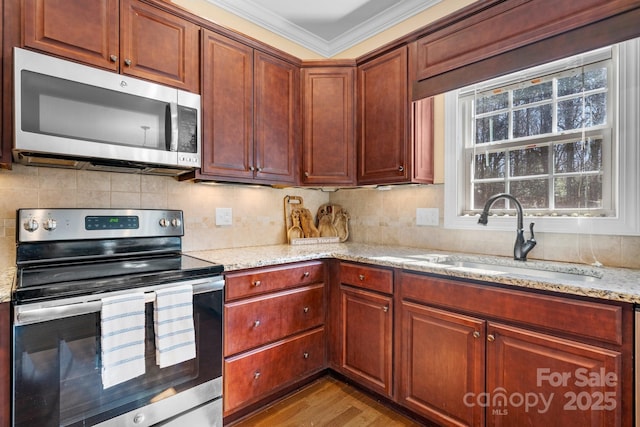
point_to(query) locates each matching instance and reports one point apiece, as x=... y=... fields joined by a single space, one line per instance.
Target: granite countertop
x=7 y=275
x=617 y=284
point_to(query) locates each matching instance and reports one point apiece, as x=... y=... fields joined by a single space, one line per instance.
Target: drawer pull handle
x=361 y=276
x=256 y=323
x=476 y=334
x=491 y=338
x=385 y=308
x=256 y=283
x=305 y=355
x=306 y=274
x=256 y=375
x=306 y=309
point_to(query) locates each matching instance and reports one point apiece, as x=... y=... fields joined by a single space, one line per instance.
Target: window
x=560 y=137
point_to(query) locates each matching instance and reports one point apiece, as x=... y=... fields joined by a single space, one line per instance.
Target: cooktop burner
x=52 y=281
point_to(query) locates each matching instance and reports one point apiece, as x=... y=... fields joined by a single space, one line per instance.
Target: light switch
x=224 y=216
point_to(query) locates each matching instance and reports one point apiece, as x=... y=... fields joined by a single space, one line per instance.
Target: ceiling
x=326 y=27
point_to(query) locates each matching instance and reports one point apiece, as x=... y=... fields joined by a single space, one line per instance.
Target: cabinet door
x=80 y=30
x=384 y=146
x=227 y=107
x=535 y=379
x=277 y=107
x=328 y=154
x=367 y=320
x=159 y=46
x=441 y=362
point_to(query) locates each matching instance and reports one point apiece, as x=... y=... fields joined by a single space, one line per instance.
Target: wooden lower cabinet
x=365 y=326
x=249 y=377
x=274 y=334
x=537 y=379
x=367 y=322
x=475 y=355
x=442 y=359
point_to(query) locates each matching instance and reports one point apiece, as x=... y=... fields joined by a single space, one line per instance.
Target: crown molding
x=259 y=15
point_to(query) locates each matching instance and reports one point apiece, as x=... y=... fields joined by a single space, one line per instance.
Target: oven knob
x=138 y=418
x=31 y=224
x=164 y=222
x=175 y=222
x=50 y=224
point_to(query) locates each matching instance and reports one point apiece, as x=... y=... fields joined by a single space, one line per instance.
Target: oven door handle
x=25 y=315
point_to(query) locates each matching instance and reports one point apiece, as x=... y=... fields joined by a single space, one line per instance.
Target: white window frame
x=626 y=142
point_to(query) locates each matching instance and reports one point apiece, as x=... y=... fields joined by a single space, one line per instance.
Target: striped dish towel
x=122 y=338
x=173 y=325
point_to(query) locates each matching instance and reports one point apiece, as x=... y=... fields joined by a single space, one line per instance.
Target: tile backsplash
x=377 y=217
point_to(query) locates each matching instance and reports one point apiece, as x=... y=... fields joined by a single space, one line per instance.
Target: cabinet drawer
x=261 y=320
x=257 y=282
x=587 y=319
x=375 y=279
x=252 y=376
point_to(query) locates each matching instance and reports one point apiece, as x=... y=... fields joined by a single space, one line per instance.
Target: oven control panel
x=36 y=225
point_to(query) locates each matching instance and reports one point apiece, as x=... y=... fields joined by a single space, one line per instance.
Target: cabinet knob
x=306 y=174
x=476 y=334
x=305 y=355
x=361 y=277
x=385 y=308
x=127 y=62
x=113 y=58
x=491 y=338
x=259 y=169
x=256 y=375
x=401 y=169
x=251 y=168
x=256 y=323
x=256 y=283
x=306 y=274
x=306 y=309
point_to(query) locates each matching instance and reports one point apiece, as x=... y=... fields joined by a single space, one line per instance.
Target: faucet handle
x=531 y=231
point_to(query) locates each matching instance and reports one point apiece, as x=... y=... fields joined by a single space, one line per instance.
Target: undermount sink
x=497 y=269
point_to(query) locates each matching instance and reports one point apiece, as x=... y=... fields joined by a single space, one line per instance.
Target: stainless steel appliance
x=68 y=261
x=75 y=116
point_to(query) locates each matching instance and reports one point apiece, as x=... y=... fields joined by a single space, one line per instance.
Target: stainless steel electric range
x=72 y=265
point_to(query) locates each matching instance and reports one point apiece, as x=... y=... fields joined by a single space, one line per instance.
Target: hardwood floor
x=327 y=402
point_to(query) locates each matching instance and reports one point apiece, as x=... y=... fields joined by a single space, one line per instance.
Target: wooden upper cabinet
x=383 y=109
x=74 y=29
x=519 y=22
x=159 y=46
x=127 y=36
x=395 y=136
x=328 y=142
x=276 y=119
x=227 y=107
x=250 y=109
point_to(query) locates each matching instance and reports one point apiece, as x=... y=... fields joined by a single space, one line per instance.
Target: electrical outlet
x=224 y=216
x=427 y=216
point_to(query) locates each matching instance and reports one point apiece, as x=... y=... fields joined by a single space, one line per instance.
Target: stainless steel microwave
x=72 y=115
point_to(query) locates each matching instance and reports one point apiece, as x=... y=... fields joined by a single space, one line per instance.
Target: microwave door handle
x=171 y=127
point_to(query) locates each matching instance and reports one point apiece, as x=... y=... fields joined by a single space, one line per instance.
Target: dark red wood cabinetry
x=250 y=114
x=328 y=142
x=395 y=136
x=274 y=334
x=127 y=36
x=471 y=354
x=365 y=326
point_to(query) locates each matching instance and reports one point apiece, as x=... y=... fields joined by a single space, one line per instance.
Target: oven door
x=57 y=367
